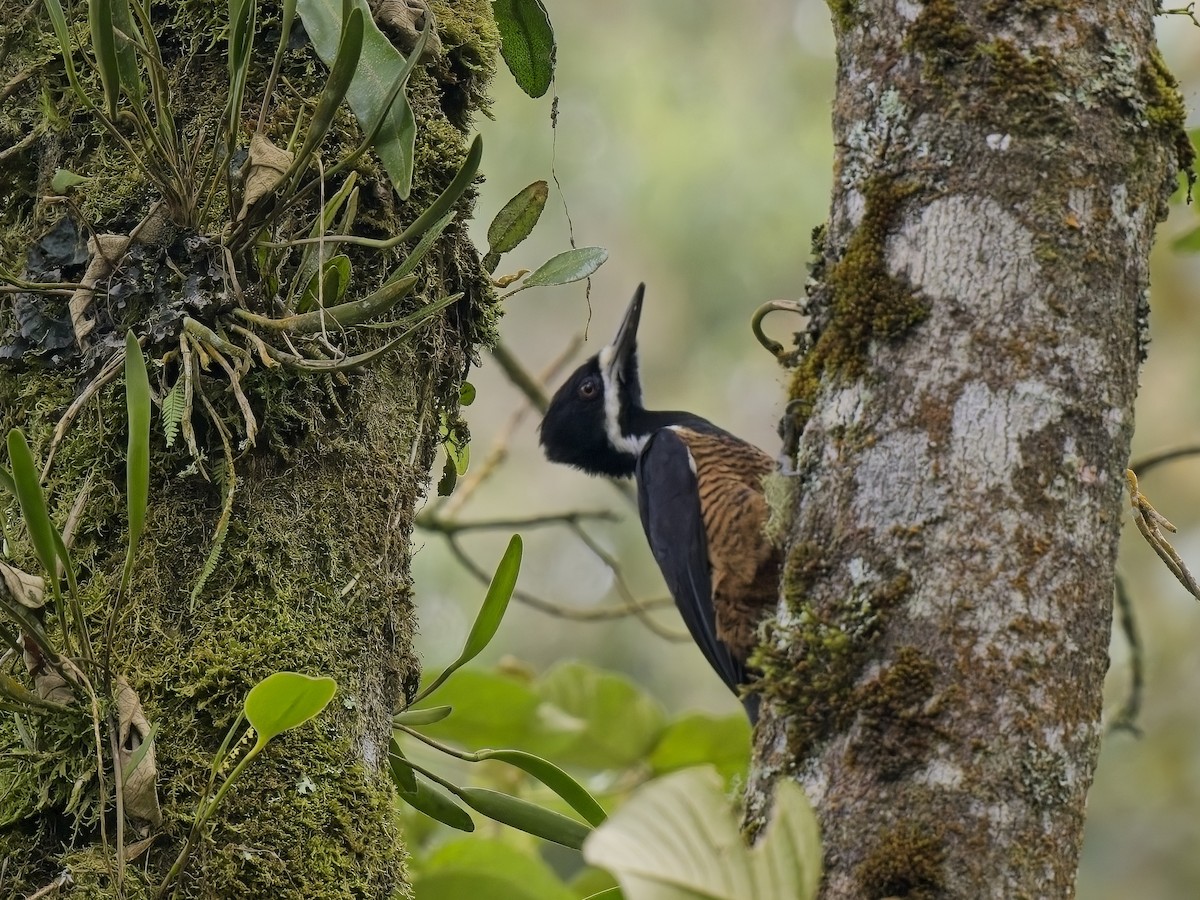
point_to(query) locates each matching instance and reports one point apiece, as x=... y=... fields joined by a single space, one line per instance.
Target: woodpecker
x=700 y=496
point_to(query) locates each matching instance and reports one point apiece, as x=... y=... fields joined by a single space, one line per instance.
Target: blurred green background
x=694 y=143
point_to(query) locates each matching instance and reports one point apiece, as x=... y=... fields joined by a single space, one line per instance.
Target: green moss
x=941 y=34
x=1018 y=87
x=895 y=727
x=867 y=303
x=844 y=13
x=313 y=572
x=813 y=668
x=1165 y=109
x=906 y=860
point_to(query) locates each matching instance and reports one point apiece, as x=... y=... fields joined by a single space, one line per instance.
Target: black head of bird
x=700 y=496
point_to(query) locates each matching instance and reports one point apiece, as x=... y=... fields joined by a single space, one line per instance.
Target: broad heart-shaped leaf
x=568 y=266
x=378 y=67
x=500 y=591
x=677 y=838
x=481 y=867
x=698 y=739
x=621 y=723
x=514 y=222
x=526 y=43
x=31 y=500
x=284 y=700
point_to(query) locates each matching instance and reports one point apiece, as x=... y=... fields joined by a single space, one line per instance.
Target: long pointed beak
x=625 y=343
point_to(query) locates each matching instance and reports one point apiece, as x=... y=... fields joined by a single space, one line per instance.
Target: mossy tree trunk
x=962 y=419
x=312 y=569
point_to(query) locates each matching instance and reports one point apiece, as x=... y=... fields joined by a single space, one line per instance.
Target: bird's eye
x=589 y=389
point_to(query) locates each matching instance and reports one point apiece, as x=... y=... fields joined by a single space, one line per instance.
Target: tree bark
x=961 y=419
x=312 y=571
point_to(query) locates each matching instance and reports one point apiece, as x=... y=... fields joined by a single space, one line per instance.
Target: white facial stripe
x=626 y=443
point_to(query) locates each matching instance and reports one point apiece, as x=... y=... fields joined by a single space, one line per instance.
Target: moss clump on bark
x=811 y=666
x=867 y=303
x=905 y=861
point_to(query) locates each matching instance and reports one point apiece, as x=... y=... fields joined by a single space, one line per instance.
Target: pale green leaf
x=699 y=739
x=284 y=700
x=678 y=838
x=428 y=716
x=621 y=723
x=500 y=591
x=481 y=868
x=64 y=180
x=568 y=266
x=372 y=87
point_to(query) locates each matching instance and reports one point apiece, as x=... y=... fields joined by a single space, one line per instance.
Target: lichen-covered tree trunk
x=284 y=550
x=961 y=419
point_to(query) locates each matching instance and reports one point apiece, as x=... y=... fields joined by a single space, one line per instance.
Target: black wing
x=669 y=502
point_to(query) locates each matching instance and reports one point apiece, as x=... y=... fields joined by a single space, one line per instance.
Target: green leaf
x=64 y=180
x=432 y=217
x=621 y=723
x=434 y=803
x=137 y=459
x=1188 y=242
x=63 y=35
x=489 y=709
x=466 y=394
x=174 y=404
x=516 y=220
x=527 y=43
x=6 y=482
x=131 y=76
x=104 y=45
x=341 y=74
x=568 y=266
x=427 y=716
x=678 y=837
x=336 y=281
x=403 y=775
x=372 y=87
x=525 y=816
x=284 y=700
x=32 y=501
x=609 y=894
x=499 y=592
x=575 y=794
x=699 y=739
x=449 y=479
x=480 y=867
x=423 y=246
x=242 y=14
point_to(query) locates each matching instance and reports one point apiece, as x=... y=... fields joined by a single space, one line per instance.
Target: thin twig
x=431 y=522
x=546 y=606
x=1126 y=719
x=498 y=452
x=1165 y=456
